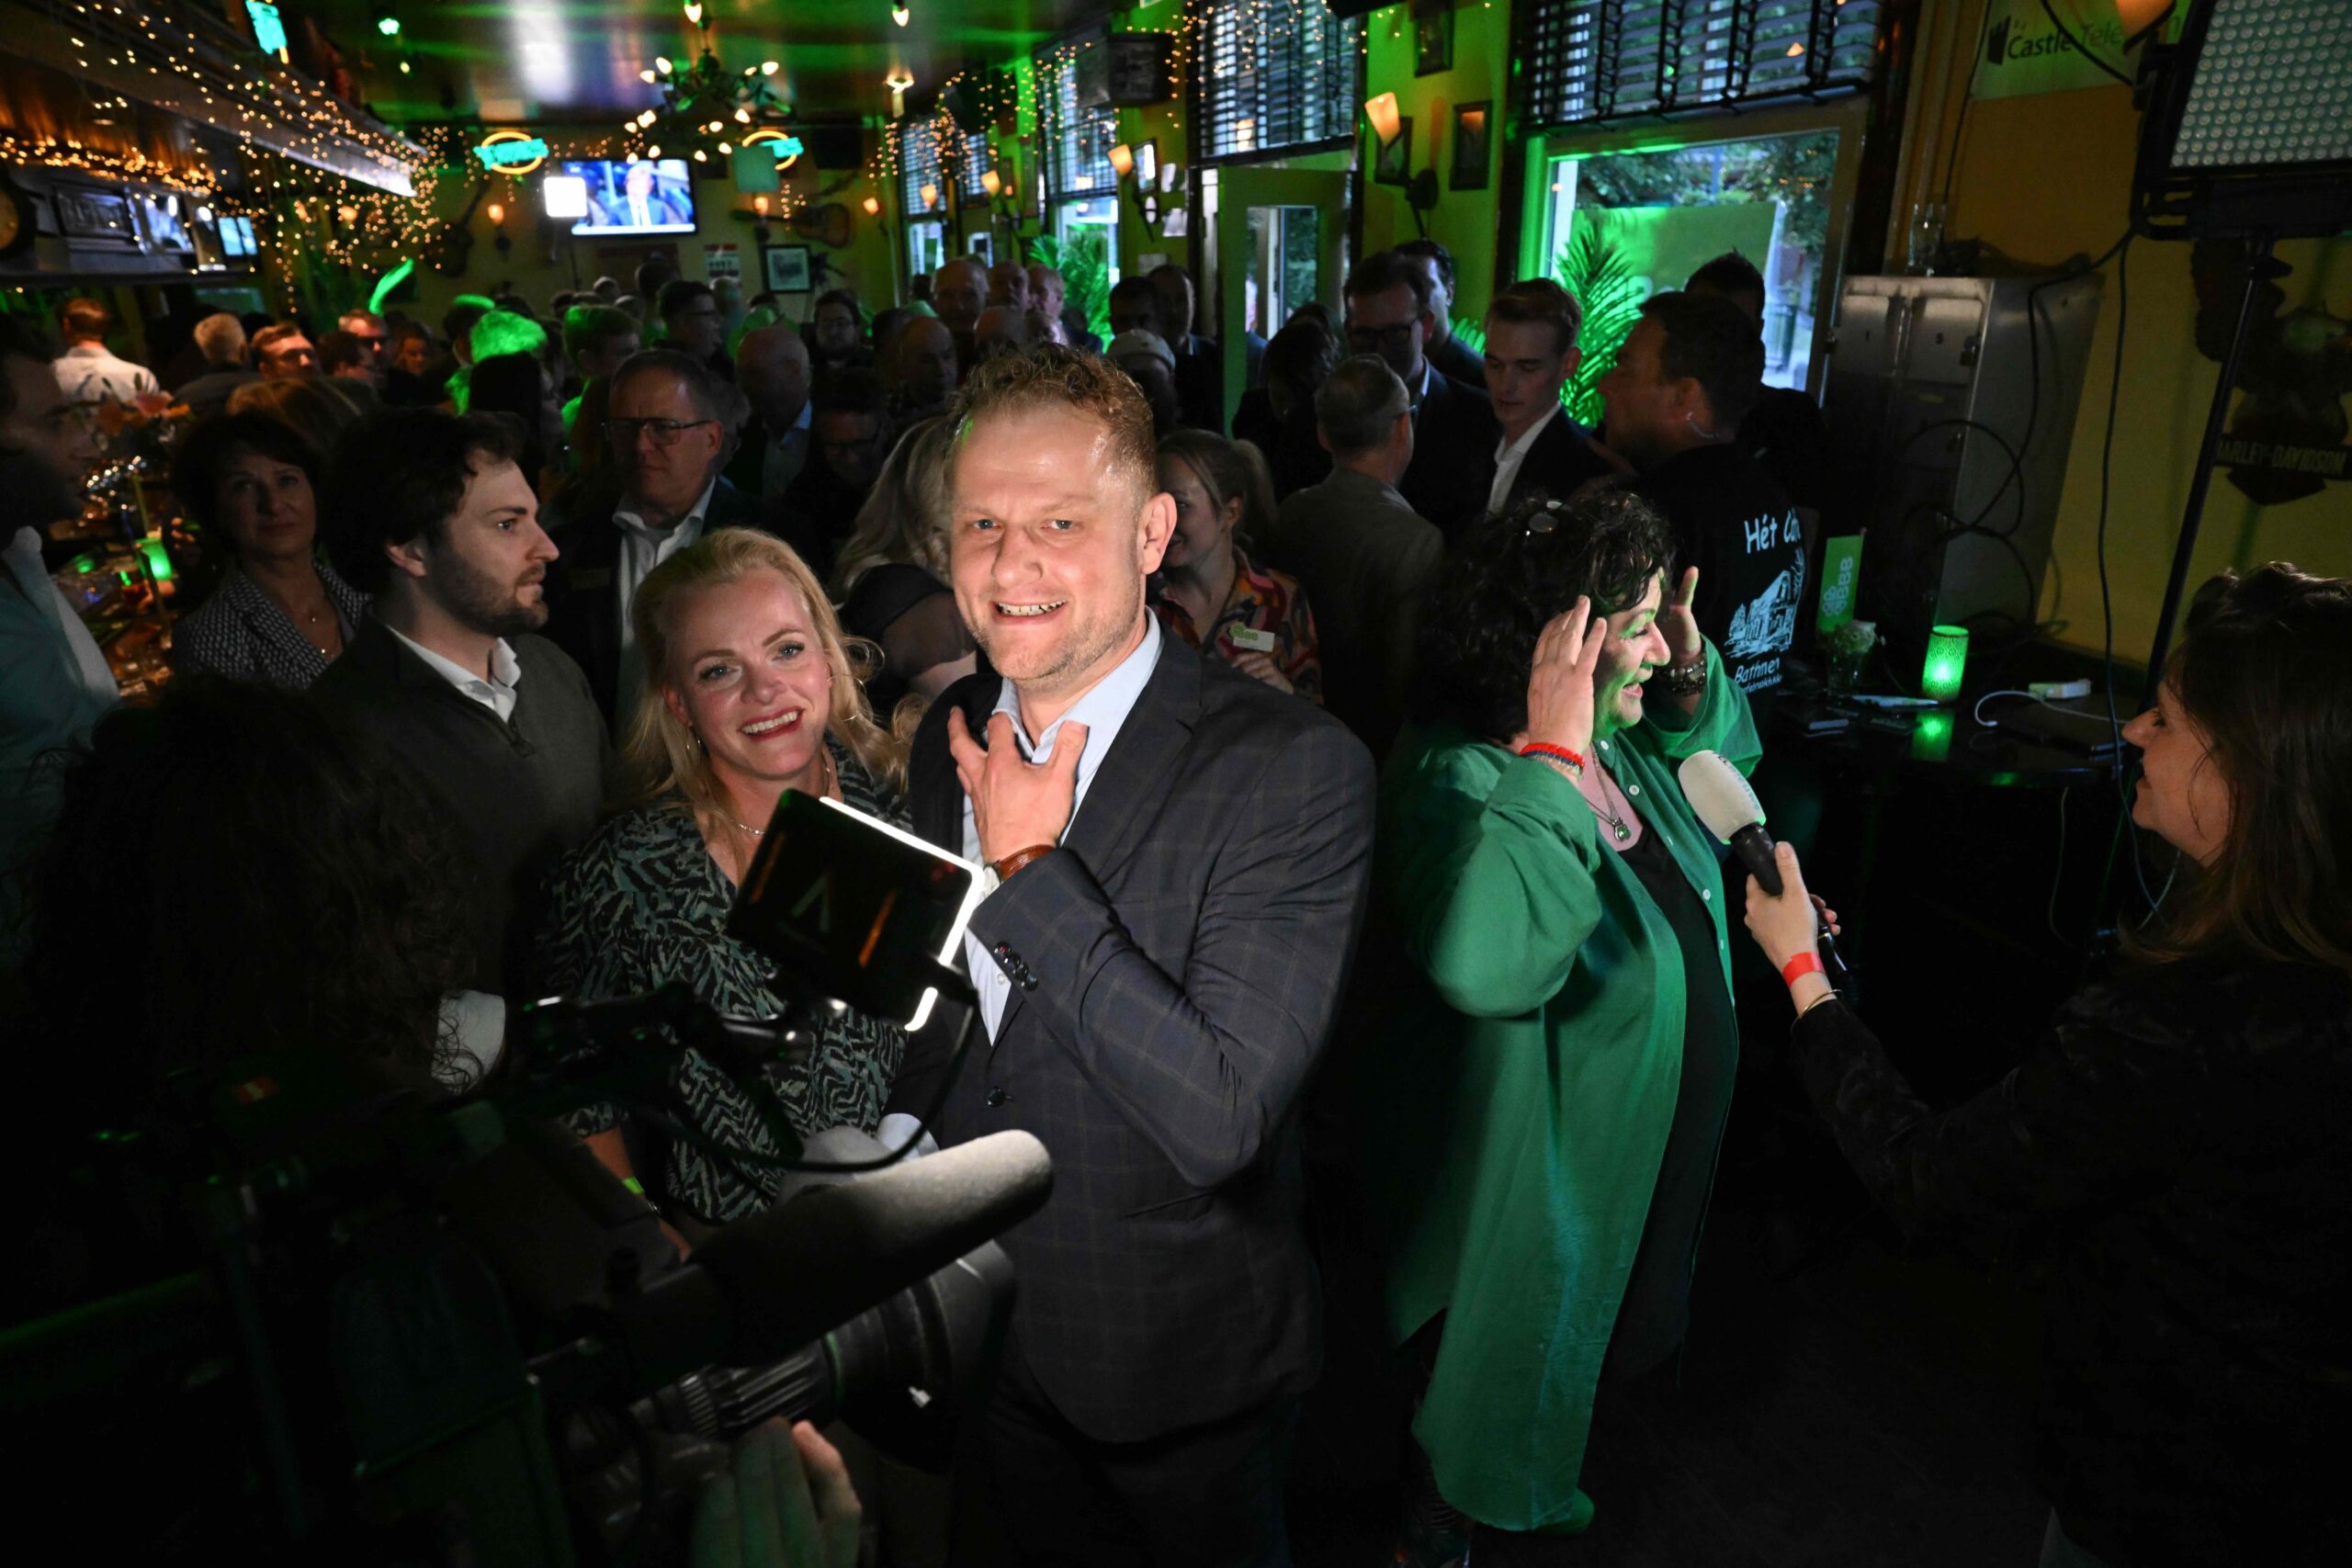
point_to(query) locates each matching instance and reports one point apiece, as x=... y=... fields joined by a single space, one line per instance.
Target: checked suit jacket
x=1175 y=966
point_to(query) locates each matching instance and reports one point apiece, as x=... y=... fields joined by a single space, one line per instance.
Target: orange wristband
x=1797 y=968
x=1019 y=858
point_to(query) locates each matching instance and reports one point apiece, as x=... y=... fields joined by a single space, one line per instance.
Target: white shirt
x=1103 y=710
x=1511 y=455
x=496 y=694
x=90 y=666
x=88 y=373
x=642 y=550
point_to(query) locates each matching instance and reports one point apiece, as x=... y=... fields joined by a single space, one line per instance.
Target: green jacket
x=1518 y=1093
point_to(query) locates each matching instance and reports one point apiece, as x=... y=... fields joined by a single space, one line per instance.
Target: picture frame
x=1393 y=163
x=1474 y=143
x=786 y=269
x=1432 y=37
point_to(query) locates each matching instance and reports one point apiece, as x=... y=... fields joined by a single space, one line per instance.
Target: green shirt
x=1518 y=1094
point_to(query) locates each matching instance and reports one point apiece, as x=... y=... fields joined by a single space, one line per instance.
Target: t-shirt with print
x=1734 y=523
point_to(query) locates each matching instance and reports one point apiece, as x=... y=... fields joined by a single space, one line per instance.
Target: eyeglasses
x=623 y=433
x=1366 y=339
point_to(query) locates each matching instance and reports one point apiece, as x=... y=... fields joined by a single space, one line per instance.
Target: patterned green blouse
x=641 y=904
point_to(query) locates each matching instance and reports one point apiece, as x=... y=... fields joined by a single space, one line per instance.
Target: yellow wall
x=539 y=276
x=1464 y=222
x=2043 y=178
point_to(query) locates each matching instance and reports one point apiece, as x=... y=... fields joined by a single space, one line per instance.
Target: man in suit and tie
x=671 y=425
x=1454 y=429
x=1531 y=353
x=641 y=204
x=1177 y=858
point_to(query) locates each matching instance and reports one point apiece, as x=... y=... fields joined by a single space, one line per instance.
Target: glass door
x=1279 y=237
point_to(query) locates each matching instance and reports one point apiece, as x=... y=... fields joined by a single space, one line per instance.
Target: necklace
x=1617 y=825
x=826 y=786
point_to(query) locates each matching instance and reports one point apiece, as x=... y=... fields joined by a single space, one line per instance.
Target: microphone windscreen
x=816 y=1261
x=1719 y=793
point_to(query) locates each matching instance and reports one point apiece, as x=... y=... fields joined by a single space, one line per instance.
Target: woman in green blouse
x=748 y=692
x=1545 y=1100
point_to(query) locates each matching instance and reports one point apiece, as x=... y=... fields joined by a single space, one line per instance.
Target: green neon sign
x=503 y=153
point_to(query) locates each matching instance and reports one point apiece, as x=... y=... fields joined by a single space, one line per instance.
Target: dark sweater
x=521 y=792
x=2181 y=1136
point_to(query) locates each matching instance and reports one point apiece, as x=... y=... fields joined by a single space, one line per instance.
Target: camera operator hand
x=787 y=1502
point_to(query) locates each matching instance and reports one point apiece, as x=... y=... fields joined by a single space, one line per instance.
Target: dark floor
x=1845 y=1401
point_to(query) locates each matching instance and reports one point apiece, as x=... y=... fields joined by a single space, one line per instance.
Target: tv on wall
x=644 y=197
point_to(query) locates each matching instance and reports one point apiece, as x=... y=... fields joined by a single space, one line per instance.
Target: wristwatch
x=996 y=873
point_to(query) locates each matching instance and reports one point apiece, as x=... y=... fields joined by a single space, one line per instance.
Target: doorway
x=1279 y=237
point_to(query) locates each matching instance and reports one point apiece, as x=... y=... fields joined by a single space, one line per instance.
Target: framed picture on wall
x=1472 y=141
x=787 y=269
x=1432 y=37
x=1394 y=164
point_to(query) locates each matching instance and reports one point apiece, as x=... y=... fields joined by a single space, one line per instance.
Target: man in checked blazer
x=1179 y=857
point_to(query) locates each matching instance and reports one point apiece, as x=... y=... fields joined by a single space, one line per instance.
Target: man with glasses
x=1454 y=431
x=670 y=425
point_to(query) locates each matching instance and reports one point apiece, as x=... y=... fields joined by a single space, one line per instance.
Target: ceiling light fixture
x=900 y=15
x=694 y=13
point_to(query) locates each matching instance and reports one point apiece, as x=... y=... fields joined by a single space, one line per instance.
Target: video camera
x=459 y=1337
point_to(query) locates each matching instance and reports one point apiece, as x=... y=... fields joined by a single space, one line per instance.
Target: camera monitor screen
x=852 y=908
x=643 y=197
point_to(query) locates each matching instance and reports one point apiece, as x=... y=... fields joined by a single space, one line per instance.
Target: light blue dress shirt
x=1103 y=709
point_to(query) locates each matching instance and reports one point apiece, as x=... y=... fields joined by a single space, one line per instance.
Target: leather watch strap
x=1005 y=868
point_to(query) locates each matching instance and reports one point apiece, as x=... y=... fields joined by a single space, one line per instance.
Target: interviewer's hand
x=1786 y=926
x=1559 y=680
x=787 y=1502
x=1016 y=804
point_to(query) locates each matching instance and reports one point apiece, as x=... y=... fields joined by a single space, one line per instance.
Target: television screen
x=237 y=236
x=643 y=197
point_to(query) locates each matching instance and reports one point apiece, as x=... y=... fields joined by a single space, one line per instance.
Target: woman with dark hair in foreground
x=2184 y=1130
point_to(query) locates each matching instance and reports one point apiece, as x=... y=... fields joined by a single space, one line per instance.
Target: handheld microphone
x=1724 y=802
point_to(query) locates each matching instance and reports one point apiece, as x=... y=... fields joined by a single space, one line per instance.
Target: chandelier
x=708 y=108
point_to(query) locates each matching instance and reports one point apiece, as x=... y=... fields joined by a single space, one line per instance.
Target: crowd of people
x=518 y=629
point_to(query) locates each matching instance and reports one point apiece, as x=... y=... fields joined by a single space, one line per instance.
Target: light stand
x=2244 y=141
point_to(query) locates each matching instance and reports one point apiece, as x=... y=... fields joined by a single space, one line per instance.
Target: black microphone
x=1721 y=796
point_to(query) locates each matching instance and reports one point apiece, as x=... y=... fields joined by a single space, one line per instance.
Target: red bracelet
x=1539 y=749
x=1797 y=968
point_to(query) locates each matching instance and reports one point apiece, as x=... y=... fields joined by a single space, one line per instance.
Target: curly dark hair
x=1493 y=599
x=272 y=880
x=399 y=475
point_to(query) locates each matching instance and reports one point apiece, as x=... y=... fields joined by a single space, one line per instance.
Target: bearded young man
x=1177 y=857
x=428 y=513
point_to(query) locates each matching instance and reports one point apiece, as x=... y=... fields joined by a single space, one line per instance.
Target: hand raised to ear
x=1677 y=623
